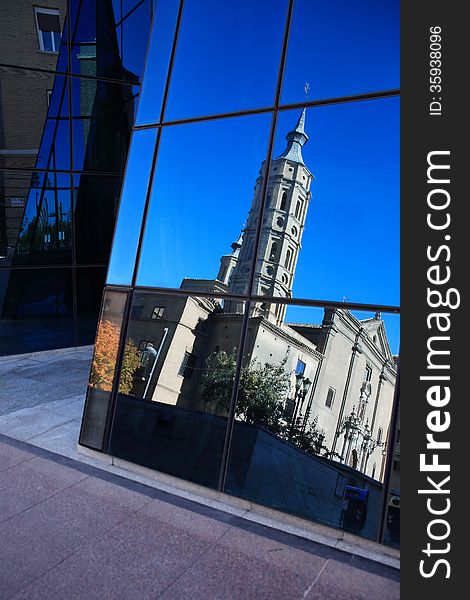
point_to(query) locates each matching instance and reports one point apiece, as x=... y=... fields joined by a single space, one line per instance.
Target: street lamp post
x=302 y=385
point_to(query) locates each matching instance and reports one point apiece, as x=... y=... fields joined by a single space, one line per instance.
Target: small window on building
x=368 y=373
x=273 y=252
x=187 y=365
x=48 y=28
x=330 y=398
x=288 y=258
x=283 y=201
x=48 y=96
x=300 y=368
x=298 y=209
x=157 y=312
x=380 y=434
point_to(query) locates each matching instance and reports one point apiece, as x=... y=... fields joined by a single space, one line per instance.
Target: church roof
x=295 y=140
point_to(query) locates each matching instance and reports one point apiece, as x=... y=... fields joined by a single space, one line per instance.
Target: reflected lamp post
x=302 y=385
x=148 y=360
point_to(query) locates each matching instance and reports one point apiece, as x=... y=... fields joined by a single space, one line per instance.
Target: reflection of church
x=342 y=370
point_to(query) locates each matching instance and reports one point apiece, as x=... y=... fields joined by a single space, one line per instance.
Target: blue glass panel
x=227 y=57
x=156 y=70
x=131 y=207
x=342 y=48
x=203 y=190
x=135 y=32
x=338 y=234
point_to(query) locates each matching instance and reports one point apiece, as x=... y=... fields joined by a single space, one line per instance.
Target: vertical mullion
x=249 y=292
x=389 y=462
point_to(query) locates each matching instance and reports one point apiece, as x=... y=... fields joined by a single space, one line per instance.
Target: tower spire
x=295 y=140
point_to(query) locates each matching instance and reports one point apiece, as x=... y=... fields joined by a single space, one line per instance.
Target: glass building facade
x=70 y=75
x=248 y=313
x=248 y=337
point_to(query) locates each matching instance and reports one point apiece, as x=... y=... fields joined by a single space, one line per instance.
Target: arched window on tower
x=298 y=209
x=272 y=254
x=288 y=258
x=283 y=201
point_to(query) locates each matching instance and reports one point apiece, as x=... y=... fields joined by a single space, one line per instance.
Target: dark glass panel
x=333 y=205
x=96 y=201
x=15 y=189
x=116 y=9
x=310 y=428
x=342 y=48
x=128 y=5
x=45 y=234
x=54 y=149
x=90 y=285
x=23 y=111
x=97 y=41
x=227 y=59
x=103 y=117
x=131 y=207
x=103 y=367
x=156 y=70
x=176 y=384
x=201 y=195
x=135 y=32
x=35 y=309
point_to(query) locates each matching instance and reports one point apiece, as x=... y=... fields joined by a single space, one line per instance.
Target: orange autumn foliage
x=104 y=359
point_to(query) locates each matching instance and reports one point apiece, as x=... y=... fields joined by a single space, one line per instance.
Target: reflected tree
x=130 y=364
x=262 y=395
x=104 y=358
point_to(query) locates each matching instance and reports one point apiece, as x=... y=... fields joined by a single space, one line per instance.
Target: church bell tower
x=287 y=200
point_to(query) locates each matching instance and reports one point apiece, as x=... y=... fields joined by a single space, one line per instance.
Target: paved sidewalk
x=70 y=530
x=72 y=526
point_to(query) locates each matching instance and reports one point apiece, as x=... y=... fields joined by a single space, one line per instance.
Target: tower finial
x=306 y=90
x=295 y=140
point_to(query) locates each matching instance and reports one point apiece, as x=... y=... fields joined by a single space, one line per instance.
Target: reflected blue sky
x=351 y=243
x=227 y=57
x=131 y=207
x=228 y=54
x=201 y=196
x=342 y=48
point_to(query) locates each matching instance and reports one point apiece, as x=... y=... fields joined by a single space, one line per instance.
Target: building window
x=330 y=398
x=380 y=434
x=283 y=201
x=48 y=28
x=368 y=373
x=298 y=209
x=157 y=312
x=187 y=365
x=288 y=258
x=300 y=368
x=273 y=252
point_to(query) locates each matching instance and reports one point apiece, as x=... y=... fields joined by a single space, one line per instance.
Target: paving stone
x=226 y=573
x=346 y=582
x=11 y=456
